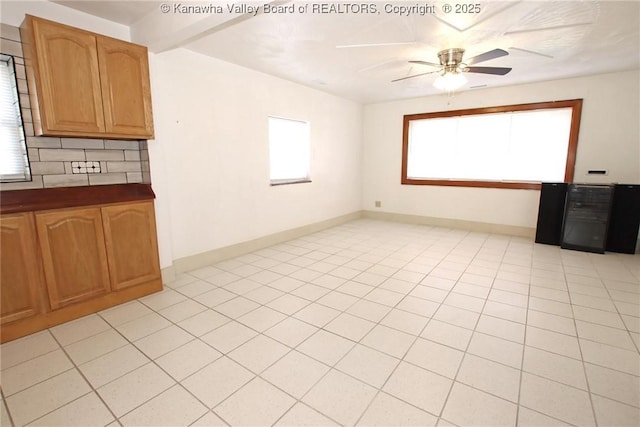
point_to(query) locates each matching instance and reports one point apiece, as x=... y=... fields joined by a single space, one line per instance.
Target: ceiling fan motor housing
x=451 y=59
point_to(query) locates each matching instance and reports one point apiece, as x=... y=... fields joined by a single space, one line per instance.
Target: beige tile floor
x=368 y=323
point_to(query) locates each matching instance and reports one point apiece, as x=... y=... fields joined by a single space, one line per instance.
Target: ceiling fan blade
x=431 y=64
x=500 y=71
x=410 y=77
x=492 y=54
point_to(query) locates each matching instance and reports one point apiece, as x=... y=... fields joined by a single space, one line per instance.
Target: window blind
x=527 y=146
x=14 y=163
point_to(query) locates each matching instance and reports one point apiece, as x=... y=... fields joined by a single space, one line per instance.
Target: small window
x=14 y=163
x=514 y=146
x=289 y=151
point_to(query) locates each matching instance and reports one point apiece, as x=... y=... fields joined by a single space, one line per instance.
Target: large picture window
x=514 y=146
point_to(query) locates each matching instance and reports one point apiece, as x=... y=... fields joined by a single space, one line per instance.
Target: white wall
x=12 y=13
x=209 y=161
x=210 y=164
x=609 y=139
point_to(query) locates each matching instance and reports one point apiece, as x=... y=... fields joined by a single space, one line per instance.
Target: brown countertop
x=68 y=197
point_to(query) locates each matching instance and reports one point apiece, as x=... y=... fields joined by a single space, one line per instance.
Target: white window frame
x=14 y=161
x=492 y=182
x=289 y=150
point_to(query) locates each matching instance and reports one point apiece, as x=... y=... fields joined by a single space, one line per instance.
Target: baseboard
x=483 y=227
x=168 y=274
x=204 y=259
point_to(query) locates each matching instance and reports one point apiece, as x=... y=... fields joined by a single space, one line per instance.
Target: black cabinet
x=551 y=213
x=586 y=217
x=625 y=219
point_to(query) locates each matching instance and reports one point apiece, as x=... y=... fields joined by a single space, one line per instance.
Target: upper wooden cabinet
x=126 y=94
x=84 y=84
x=67 y=82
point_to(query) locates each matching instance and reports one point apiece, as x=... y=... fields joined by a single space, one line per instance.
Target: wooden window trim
x=575 y=104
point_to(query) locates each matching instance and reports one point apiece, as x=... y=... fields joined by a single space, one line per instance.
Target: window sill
x=480 y=184
x=279 y=182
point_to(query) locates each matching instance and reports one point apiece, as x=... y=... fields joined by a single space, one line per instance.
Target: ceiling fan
x=452 y=66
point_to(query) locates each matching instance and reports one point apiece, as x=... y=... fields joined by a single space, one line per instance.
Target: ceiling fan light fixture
x=450 y=81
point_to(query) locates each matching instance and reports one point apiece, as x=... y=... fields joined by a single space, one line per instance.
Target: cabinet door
x=132 y=248
x=124 y=76
x=20 y=277
x=73 y=254
x=69 y=80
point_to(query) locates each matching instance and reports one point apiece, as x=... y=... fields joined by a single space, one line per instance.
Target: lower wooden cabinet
x=73 y=254
x=132 y=260
x=20 y=275
x=57 y=265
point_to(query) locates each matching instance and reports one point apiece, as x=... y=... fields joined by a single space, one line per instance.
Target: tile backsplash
x=53 y=159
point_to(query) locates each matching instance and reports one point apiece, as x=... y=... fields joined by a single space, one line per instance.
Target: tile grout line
x=153 y=361
x=300 y=400
x=6 y=407
x=132 y=343
x=336 y=290
x=334 y=367
x=636 y=345
x=258 y=375
x=77 y=369
x=150 y=360
x=524 y=344
x=464 y=354
x=378 y=389
x=584 y=368
x=222 y=355
x=401 y=359
x=413 y=343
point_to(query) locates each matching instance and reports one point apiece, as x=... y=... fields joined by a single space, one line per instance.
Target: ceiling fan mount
x=451 y=59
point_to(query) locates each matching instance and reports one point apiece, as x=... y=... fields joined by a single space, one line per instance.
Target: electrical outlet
x=85 y=167
x=378 y=203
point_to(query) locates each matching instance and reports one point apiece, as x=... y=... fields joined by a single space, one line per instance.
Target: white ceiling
x=545 y=40
x=122 y=12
